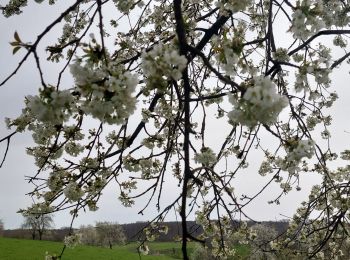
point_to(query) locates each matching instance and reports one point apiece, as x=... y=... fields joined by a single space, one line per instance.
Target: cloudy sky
x=13 y=185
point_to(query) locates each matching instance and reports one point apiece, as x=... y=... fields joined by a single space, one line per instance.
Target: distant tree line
x=132 y=231
x=52 y=234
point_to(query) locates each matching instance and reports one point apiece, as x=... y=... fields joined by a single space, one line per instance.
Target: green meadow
x=22 y=249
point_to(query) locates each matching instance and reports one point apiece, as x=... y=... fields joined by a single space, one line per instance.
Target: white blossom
x=233 y=5
x=53 y=110
x=304 y=148
x=72 y=240
x=108 y=98
x=260 y=104
x=162 y=61
x=206 y=157
x=73 y=192
x=144 y=249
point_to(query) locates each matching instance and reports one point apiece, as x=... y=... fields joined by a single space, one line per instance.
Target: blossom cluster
x=303 y=148
x=72 y=240
x=281 y=54
x=260 y=104
x=296 y=152
x=41 y=154
x=143 y=249
x=73 y=192
x=304 y=24
x=106 y=91
x=63 y=180
x=56 y=180
x=345 y=155
x=148 y=167
x=124 y=5
x=50 y=257
x=311 y=16
x=37 y=209
x=206 y=157
x=14 y=7
x=51 y=106
x=161 y=63
x=233 y=5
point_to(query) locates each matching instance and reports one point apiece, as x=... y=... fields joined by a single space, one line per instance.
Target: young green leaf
x=14 y=43
x=17 y=37
x=16 y=49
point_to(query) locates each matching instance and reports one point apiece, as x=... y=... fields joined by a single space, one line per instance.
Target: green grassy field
x=21 y=249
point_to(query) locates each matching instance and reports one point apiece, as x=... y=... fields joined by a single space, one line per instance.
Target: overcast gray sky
x=13 y=186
